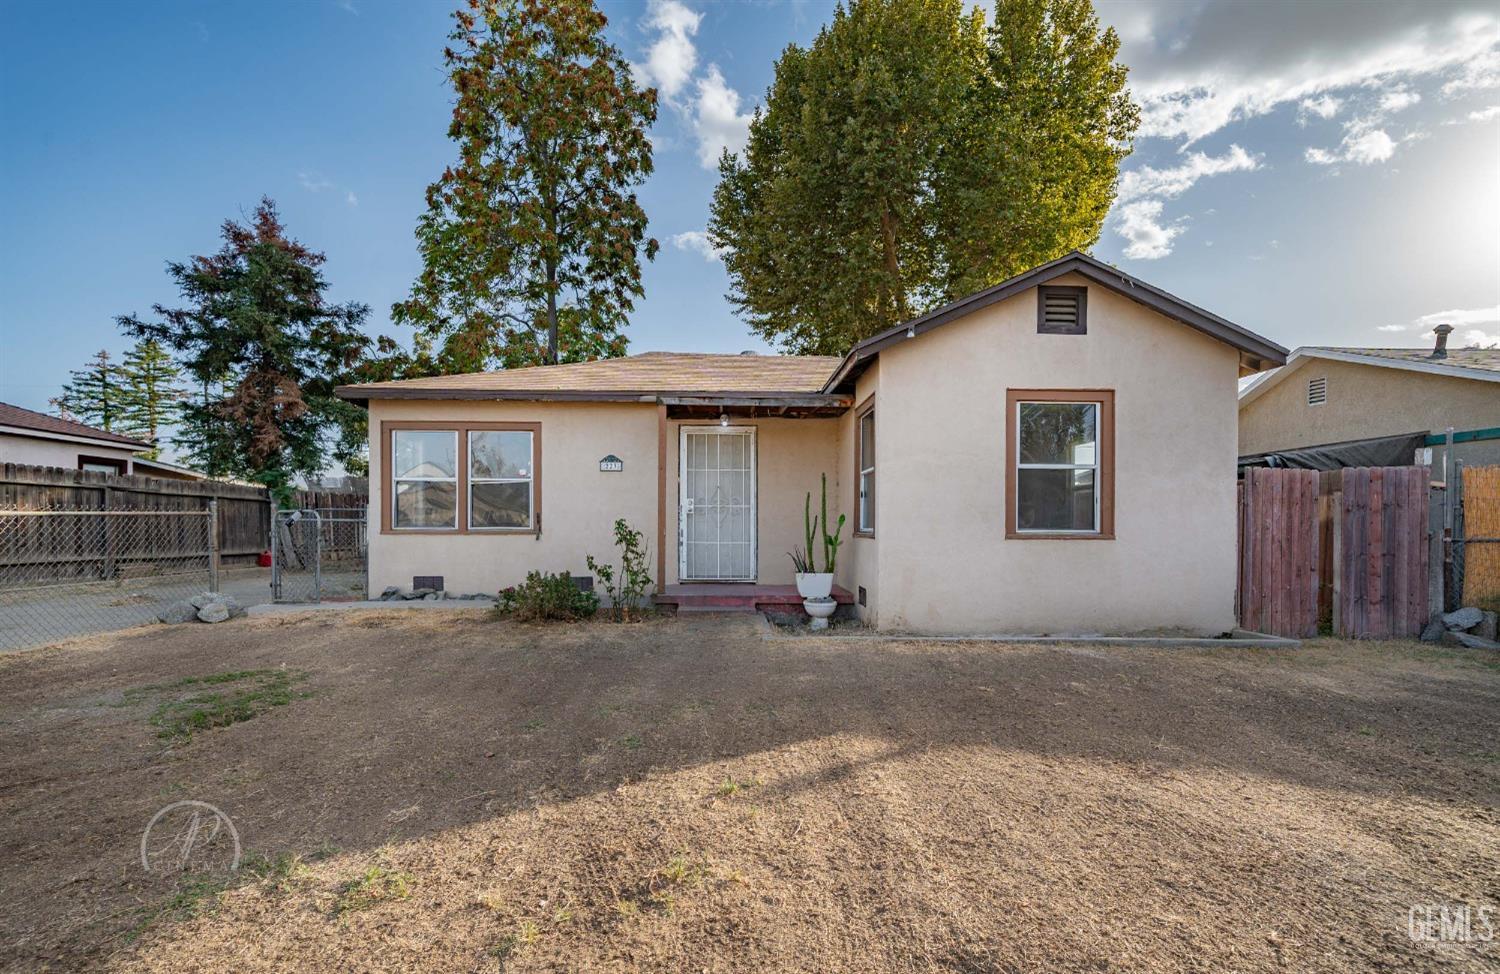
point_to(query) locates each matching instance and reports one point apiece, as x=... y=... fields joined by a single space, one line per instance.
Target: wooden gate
x=1381 y=553
x=1279 y=551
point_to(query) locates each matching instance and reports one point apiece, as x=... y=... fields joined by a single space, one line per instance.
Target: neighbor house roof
x=1482 y=364
x=1256 y=353
x=634 y=377
x=25 y=422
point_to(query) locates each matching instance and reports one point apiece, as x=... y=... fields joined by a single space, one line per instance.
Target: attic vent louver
x=1317 y=391
x=1062 y=310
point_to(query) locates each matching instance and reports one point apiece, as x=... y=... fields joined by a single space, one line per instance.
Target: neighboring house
x=1346 y=396
x=34 y=438
x=1053 y=454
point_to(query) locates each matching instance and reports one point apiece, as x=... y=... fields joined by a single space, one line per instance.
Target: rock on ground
x=177 y=612
x=1466 y=618
x=214 y=612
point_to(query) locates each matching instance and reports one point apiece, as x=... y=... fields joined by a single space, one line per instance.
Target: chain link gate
x=319 y=555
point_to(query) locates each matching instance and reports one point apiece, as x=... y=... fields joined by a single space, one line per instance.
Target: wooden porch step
x=738 y=597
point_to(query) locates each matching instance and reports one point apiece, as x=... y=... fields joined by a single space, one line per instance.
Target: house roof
x=1481 y=364
x=28 y=422
x=634 y=377
x=1256 y=352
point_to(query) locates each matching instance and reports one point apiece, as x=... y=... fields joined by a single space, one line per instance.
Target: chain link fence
x=68 y=572
x=319 y=555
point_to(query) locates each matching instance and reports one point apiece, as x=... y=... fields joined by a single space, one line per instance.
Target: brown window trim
x=388 y=483
x=1082 y=293
x=1106 y=400
x=121 y=466
x=860 y=411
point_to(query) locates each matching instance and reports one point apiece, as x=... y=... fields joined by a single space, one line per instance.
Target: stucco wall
x=51 y=453
x=1366 y=401
x=944 y=562
x=579 y=503
x=791 y=453
x=859 y=556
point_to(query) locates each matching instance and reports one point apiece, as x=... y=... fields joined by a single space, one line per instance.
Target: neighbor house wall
x=945 y=564
x=55 y=453
x=1366 y=401
x=790 y=456
x=579 y=502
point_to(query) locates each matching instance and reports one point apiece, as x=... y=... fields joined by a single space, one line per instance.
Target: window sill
x=864 y=534
x=526 y=532
x=1052 y=536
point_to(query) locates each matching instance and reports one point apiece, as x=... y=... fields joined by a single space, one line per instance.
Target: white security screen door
x=717 y=504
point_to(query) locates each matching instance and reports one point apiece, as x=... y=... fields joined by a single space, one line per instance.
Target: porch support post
x=661 y=497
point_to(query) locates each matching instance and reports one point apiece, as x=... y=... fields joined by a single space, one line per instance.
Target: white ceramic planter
x=815 y=585
x=820 y=610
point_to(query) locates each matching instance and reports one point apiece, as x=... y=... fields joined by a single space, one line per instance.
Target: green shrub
x=626 y=592
x=545 y=597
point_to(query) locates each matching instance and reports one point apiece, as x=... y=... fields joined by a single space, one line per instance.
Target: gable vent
x=1317 y=391
x=1062 y=311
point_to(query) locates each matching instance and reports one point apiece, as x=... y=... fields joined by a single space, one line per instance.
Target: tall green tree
x=95 y=394
x=913 y=155
x=153 y=392
x=266 y=348
x=532 y=242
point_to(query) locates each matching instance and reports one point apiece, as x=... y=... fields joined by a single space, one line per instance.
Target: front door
x=716 y=504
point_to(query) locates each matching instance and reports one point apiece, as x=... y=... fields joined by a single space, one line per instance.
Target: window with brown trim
x=864 y=471
x=462 y=477
x=102 y=464
x=1059 y=457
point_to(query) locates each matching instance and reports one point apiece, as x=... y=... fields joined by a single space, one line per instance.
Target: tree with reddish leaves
x=264 y=349
x=531 y=244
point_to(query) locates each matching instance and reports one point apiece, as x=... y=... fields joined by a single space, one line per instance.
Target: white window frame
x=529 y=480
x=396 y=483
x=860 y=525
x=1097 y=466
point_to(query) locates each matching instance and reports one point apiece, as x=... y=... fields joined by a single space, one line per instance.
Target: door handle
x=688 y=506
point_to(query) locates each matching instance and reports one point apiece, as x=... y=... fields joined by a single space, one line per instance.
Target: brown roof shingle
x=16 y=416
x=650 y=373
x=1484 y=359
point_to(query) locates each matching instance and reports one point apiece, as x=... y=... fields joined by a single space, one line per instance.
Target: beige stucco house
x=1028 y=459
x=1336 y=396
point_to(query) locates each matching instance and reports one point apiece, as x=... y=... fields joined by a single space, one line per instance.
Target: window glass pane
x=1057 y=432
x=425 y=453
x=867 y=501
x=500 y=505
x=1055 y=500
x=495 y=454
x=867 y=440
x=425 y=504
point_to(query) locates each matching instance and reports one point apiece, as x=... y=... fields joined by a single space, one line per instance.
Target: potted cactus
x=811 y=583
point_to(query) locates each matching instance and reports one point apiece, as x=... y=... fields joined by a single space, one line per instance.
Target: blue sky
x=1323 y=173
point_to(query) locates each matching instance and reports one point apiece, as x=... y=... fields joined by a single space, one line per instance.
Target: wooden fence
x=1481 y=535
x=244 y=510
x=1343 y=549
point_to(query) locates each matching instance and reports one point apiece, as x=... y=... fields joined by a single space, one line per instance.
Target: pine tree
x=96 y=394
x=153 y=397
x=265 y=348
x=531 y=242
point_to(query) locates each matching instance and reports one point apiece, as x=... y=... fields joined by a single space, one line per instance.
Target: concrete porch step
x=738 y=597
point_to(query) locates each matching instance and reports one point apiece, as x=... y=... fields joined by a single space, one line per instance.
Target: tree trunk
x=892 y=265
x=551 y=313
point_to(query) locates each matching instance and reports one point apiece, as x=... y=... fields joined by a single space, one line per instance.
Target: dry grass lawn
x=436 y=792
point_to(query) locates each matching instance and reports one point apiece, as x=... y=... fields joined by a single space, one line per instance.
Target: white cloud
x=672 y=58
x=1484 y=339
x=718 y=121
x=1207 y=66
x=1393 y=328
x=1363 y=144
x=1485 y=114
x=1173 y=182
x=1398 y=98
x=698 y=242
x=351 y=199
x=1140 y=224
x=1324 y=106
x=1460 y=316
x=313 y=182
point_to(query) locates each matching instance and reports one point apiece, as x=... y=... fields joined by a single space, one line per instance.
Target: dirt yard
x=439 y=792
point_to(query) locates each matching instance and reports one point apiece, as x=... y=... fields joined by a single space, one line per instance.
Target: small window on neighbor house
x=865 y=461
x=1062 y=310
x=1317 y=391
x=424 y=469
